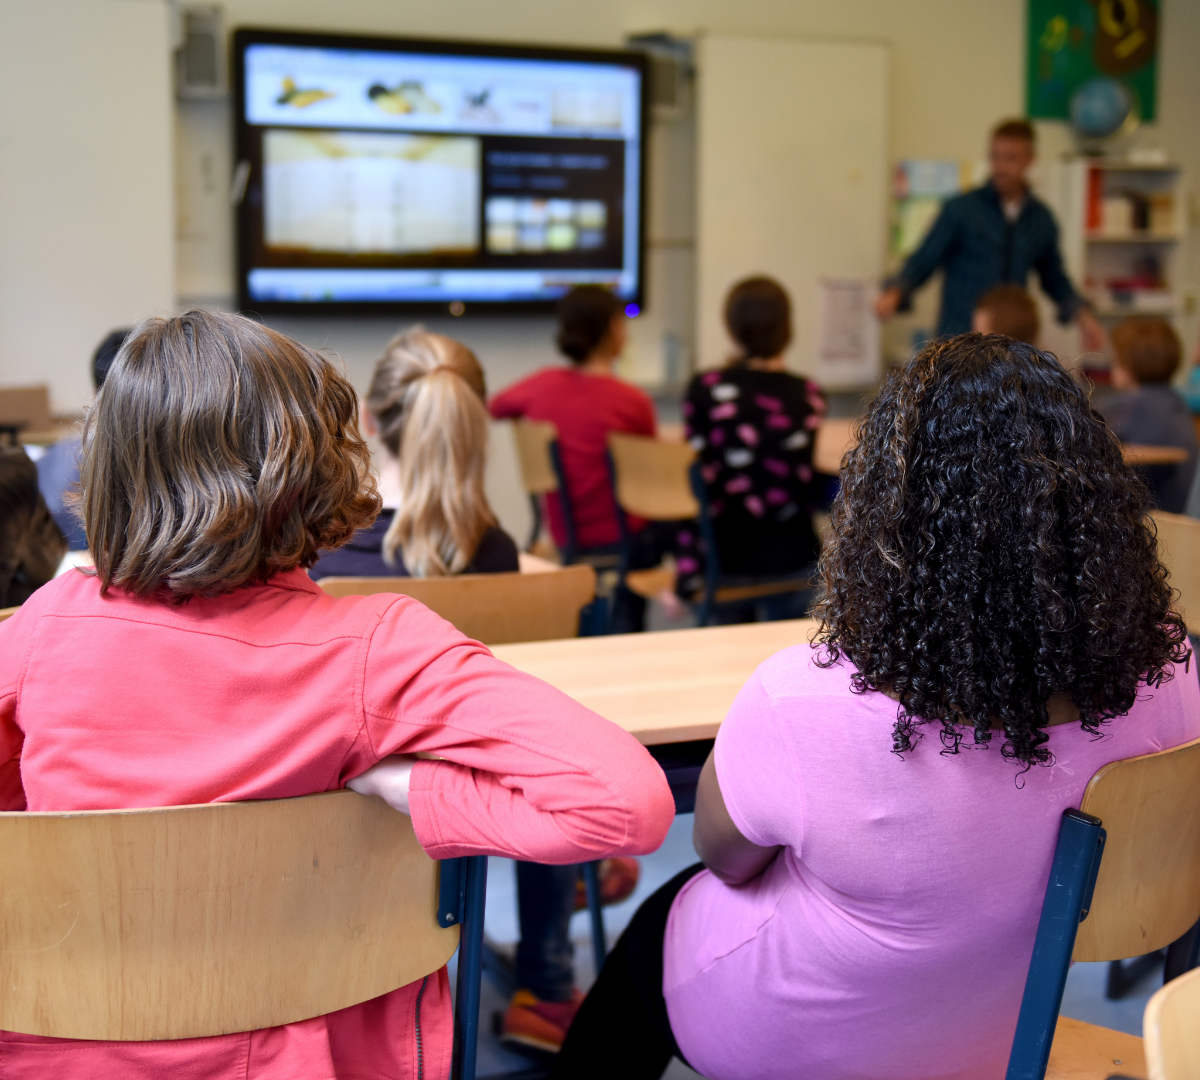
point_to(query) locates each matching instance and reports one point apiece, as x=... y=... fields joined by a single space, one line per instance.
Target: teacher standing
x=994 y=235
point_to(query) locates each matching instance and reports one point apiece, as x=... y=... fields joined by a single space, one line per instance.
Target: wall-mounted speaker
x=201 y=51
x=670 y=73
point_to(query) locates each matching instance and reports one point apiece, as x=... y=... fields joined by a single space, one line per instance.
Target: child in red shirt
x=584 y=402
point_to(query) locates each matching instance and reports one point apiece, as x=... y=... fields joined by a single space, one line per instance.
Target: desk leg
x=591 y=880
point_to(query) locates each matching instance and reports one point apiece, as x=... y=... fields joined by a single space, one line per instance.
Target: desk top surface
x=669 y=686
x=1141 y=454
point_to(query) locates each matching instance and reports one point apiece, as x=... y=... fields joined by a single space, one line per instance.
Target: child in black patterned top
x=752 y=424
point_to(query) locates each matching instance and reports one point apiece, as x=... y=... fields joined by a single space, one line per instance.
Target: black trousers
x=622 y=1028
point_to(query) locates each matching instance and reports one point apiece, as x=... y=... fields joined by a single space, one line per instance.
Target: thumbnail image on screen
x=354 y=191
x=393 y=173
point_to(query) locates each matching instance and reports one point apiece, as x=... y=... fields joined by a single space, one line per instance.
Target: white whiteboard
x=792 y=175
x=86 y=214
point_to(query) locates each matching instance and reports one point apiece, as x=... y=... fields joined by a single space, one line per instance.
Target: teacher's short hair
x=1015 y=128
x=219 y=453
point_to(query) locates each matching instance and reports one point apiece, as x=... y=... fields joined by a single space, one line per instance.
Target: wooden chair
x=649 y=478
x=24 y=408
x=1179 y=550
x=1125 y=881
x=834 y=439
x=533 y=440
x=493 y=608
x=660 y=481
x=188 y=921
x=8 y=613
x=1172 y=1030
x=540 y=461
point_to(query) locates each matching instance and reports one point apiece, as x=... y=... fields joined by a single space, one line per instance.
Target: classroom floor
x=1084 y=998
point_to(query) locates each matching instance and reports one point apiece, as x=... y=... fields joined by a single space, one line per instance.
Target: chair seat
x=649 y=583
x=1089 y=1052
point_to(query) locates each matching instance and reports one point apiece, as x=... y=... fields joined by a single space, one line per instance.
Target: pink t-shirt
x=279 y=690
x=891 y=937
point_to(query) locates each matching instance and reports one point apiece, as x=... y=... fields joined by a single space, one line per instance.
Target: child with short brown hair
x=199 y=663
x=1146 y=409
x=1010 y=311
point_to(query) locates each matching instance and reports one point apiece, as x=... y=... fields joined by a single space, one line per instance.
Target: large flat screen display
x=382 y=173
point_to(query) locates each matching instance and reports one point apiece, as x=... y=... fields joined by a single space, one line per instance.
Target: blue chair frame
x=462 y=894
x=600 y=557
x=1068 y=899
x=1069 y=891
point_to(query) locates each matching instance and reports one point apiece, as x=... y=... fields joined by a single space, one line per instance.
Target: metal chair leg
x=470 y=970
x=591 y=880
x=1183 y=954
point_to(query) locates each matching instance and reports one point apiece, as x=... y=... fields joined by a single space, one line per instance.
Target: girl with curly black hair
x=869 y=896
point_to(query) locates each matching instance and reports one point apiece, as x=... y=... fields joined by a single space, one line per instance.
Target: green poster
x=1072 y=41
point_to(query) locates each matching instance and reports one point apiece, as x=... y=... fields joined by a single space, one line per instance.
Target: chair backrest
x=28 y=407
x=189 y=921
x=8 y=612
x=1148 y=890
x=832 y=441
x=493 y=608
x=1172 y=1029
x=533 y=439
x=650 y=477
x=1179 y=550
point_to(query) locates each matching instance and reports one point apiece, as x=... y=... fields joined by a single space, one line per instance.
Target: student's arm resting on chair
x=721 y=847
x=522 y=769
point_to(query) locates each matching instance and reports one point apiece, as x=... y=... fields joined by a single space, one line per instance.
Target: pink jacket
x=279 y=690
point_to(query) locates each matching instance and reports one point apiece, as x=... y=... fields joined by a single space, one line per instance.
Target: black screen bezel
x=246 y=36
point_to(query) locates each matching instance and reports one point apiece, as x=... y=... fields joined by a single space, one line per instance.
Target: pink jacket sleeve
x=14 y=644
x=527 y=772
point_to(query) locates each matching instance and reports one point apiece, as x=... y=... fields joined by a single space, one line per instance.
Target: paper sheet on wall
x=847 y=333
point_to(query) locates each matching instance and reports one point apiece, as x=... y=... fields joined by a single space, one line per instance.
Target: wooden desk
x=1140 y=454
x=836 y=437
x=670 y=687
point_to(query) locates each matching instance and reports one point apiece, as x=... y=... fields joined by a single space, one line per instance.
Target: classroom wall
x=937 y=47
x=86 y=208
x=956 y=67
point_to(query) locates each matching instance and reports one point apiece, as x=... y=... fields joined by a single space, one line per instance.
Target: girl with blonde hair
x=426 y=405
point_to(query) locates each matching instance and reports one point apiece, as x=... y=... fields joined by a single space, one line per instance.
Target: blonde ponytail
x=427 y=399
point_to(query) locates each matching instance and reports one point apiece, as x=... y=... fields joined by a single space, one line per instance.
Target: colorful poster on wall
x=1072 y=41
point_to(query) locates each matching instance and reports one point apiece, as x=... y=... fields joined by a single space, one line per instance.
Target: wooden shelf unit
x=1123 y=244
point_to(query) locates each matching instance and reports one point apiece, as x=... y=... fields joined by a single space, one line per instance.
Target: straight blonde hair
x=426 y=398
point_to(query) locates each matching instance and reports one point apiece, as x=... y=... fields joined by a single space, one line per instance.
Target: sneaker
x=618 y=879
x=542 y=1025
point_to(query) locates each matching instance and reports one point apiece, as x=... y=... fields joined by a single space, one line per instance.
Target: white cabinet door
x=792 y=180
x=86 y=219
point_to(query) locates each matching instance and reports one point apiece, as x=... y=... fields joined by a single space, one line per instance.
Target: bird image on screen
x=387 y=173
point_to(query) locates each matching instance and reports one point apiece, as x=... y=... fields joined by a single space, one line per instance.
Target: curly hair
x=990 y=549
x=219 y=453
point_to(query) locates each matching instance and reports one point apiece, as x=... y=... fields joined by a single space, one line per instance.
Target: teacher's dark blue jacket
x=979 y=248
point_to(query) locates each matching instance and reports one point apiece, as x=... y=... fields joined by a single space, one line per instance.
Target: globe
x=1100 y=108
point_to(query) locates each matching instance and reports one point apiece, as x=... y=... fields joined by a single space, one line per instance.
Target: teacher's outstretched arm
x=920 y=265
